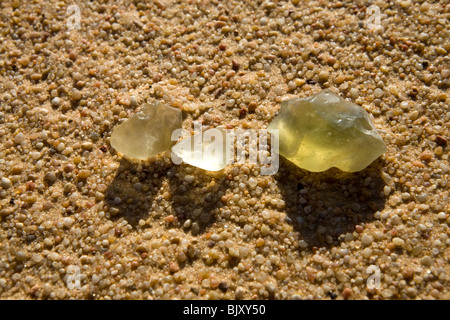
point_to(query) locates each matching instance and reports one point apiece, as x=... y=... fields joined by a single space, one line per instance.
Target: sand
x=79 y=221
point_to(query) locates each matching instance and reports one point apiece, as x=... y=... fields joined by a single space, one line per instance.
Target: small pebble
x=366 y=240
x=346 y=293
x=83 y=174
x=441 y=141
x=426 y=155
x=398 y=242
x=323 y=76
x=242 y=203
x=441 y=216
x=56 y=102
x=19 y=138
x=426 y=261
x=50 y=177
x=69 y=168
x=252 y=183
x=378 y=93
x=87 y=145
x=72 y=207
x=173 y=267
x=68 y=222
x=5 y=183
x=223 y=286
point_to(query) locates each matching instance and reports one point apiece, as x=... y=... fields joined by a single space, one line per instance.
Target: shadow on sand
x=324 y=206
x=197 y=201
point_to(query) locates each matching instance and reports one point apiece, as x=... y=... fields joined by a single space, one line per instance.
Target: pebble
x=37 y=258
x=398 y=242
x=411 y=292
x=5 y=183
x=259 y=259
x=378 y=93
x=414 y=115
x=318 y=259
x=21 y=256
x=84 y=174
x=387 y=293
x=48 y=242
x=174 y=267
x=223 y=286
x=408 y=274
x=68 y=222
x=50 y=177
x=19 y=138
x=133 y=101
x=56 y=102
x=242 y=203
x=87 y=145
x=323 y=76
x=68 y=168
x=366 y=240
x=426 y=261
x=35 y=155
x=138 y=186
x=441 y=141
x=422 y=197
x=367 y=253
x=60 y=147
x=260 y=242
x=252 y=183
x=426 y=155
x=76 y=95
x=346 y=293
x=441 y=215
x=435 y=293
x=239 y=293
x=233 y=252
x=354 y=93
x=151 y=229
x=235 y=64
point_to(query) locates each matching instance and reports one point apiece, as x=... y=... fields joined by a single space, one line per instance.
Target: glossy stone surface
x=324 y=131
x=206 y=150
x=147 y=132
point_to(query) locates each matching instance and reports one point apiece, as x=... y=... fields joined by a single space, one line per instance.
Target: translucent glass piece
x=324 y=131
x=147 y=132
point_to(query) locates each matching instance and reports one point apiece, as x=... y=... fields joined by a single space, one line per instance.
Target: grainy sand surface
x=78 y=221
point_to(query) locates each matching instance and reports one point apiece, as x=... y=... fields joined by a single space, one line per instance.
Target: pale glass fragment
x=209 y=150
x=147 y=132
x=324 y=131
